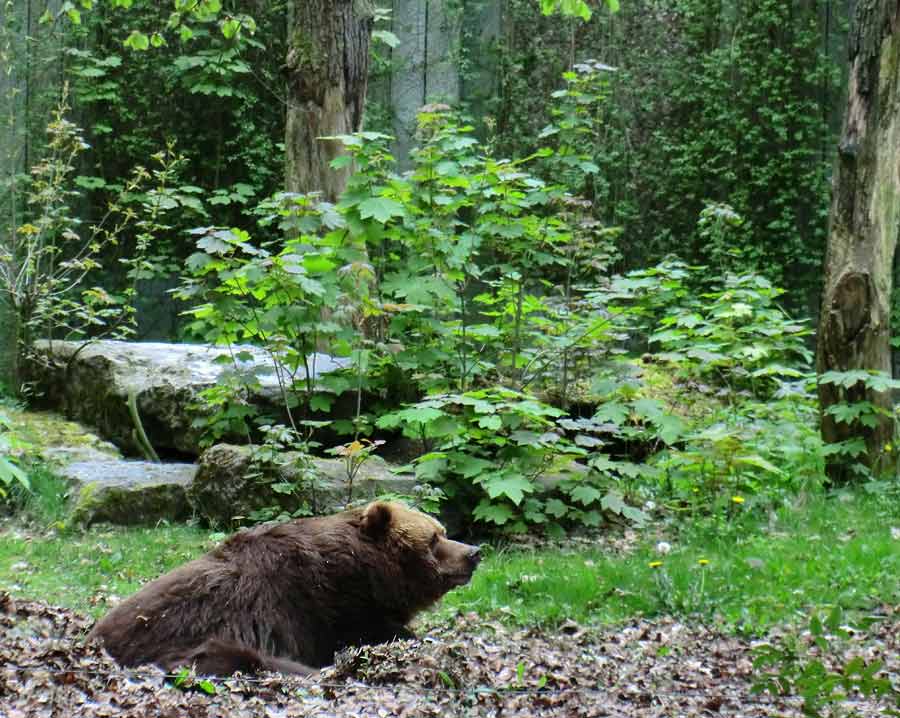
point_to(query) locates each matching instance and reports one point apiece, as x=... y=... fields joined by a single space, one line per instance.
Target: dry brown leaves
x=474 y=668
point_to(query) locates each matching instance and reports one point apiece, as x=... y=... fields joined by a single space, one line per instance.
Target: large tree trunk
x=328 y=65
x=854 y=327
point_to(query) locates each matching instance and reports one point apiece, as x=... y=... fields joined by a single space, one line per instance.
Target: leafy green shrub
x=478 y=262
x=435 y=280
x=467 y=281
x=212 y=80
x=737 y=417
x=49 y=256
x=741 y=457
x=707 y=103
x=853 y=415
x=504 y=456
x=289 y=297
x=736 y=336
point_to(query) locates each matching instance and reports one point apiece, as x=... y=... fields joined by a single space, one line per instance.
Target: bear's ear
x=376 y=519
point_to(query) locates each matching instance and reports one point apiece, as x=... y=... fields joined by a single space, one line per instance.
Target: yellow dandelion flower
x=703 y=561
x=655 y=564
x=738 y=499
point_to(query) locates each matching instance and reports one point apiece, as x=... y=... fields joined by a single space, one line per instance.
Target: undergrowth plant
x=506 y=458
x=737 y=337
x=815 y=670
x=467 y=290
x=465 y=248
x=49 y=255
x=387 y=279
x=289 y=297
x=11 y=451
x=853 y=415
x=282 y=460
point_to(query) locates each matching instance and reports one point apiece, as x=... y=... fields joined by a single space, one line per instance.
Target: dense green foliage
x=790 y=667
x=219 y=100
x=463 y=281
x=212 y=98
x=710 y=101
x=470 y=297
x=702 y=102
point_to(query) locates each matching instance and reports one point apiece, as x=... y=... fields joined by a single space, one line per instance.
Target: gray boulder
x=92 y=384
x=230 y=485
x=100 y=484
x=128 y=492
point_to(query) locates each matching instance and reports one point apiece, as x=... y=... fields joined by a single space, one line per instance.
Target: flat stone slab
x=128 y=492
x=92 y=384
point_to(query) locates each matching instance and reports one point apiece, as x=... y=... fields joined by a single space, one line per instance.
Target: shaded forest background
x=734 y=106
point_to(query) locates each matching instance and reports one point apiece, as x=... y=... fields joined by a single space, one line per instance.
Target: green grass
x=46 y=500
x=759 y=573
x=829 y=552
x=82 y=570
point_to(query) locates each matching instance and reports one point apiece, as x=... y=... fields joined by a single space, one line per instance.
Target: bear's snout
x=474 y=556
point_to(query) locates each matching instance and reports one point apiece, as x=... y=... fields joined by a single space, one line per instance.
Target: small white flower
x=663 y=548
x=649 y=506
x=895 y=533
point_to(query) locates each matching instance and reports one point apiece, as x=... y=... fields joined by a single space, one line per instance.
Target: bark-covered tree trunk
x=854 y=327
x=328 y=65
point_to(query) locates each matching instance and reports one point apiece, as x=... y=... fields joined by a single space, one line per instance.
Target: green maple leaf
x=512 y=487
x=492 y=513
x=585 y=495
x=380 y=208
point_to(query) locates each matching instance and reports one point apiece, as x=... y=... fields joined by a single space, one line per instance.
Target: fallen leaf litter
x=646 y=669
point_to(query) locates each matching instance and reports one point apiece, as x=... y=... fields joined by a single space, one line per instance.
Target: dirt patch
x=473 y=668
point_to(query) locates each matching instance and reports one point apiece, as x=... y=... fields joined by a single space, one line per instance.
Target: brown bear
x=285 y=597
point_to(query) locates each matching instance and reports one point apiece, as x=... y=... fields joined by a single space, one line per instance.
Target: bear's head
x=430 y=563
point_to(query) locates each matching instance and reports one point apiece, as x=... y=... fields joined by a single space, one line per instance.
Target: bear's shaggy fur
x=285 y=597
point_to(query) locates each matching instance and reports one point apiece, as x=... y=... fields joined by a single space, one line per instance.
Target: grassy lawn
x=829 y=552
x=80 y=570
x=749 y=573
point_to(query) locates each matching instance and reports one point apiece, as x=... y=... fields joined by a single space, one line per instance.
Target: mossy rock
x=95 y=383
x=58 y=441
x=128 y=492
x=229 y=486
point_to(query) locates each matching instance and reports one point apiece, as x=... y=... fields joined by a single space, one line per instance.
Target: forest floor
x=472 y=667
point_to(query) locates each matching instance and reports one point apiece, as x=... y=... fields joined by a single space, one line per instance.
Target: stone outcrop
x=104 y=487
x=92 y=383
x=128 y=492
x=231 y=486
x=95 y=383
x=100 y=484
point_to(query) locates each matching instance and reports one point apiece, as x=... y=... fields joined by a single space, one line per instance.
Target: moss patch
x=126 y=506
x=45 y=430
